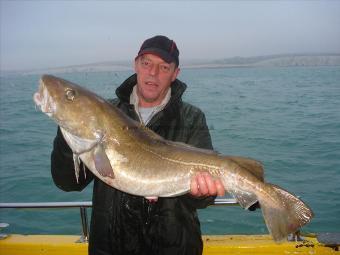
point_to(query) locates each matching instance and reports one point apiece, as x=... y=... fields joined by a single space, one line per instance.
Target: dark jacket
x=125 y=224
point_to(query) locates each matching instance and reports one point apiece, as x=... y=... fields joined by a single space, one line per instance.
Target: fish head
x=74 y=108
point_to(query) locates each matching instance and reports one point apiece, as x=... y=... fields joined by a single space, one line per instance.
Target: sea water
x=287 y=118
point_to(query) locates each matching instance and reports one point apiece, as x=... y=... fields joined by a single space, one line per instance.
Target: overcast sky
x=42 y=34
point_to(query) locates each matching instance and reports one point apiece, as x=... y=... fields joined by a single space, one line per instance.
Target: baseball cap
x=162 y=47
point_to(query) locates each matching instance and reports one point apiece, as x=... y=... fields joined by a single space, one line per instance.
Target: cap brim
x=159 y=53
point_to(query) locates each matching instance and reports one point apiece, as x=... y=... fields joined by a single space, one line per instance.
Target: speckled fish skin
x=129 y=157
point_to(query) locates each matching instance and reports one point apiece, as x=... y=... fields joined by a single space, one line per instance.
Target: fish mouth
x=43 y=100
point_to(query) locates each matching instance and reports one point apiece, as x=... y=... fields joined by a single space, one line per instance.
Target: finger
x=220 y=188
x=152 y=199
x=202 y=185
x=194 y=186
x=211 y=186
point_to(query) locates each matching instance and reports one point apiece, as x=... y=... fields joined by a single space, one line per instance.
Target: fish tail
x=283 y=212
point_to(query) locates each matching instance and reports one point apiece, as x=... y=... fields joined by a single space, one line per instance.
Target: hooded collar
x=153 y=110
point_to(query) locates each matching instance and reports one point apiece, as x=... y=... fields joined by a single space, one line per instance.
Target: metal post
x=85 y=227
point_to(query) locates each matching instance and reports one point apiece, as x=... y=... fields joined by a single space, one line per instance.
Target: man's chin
x=150 y=100
x=150 y=96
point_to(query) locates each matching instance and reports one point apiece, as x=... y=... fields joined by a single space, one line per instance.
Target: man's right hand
x=203 y=185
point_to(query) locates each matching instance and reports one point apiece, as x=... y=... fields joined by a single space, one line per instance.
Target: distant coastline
x=281 y=60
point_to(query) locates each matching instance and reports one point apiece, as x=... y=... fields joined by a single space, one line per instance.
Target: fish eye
x=70 y=94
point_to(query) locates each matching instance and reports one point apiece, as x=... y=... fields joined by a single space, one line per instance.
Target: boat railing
x=83 y=211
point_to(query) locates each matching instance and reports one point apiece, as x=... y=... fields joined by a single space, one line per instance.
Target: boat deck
x=213 y=245
x=18 y=244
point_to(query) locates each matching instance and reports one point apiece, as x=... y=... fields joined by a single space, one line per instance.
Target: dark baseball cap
x=162 y=47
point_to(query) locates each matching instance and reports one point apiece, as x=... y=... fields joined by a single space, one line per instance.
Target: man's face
x=154 y=77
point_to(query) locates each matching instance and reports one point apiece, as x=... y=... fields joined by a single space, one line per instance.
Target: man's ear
x=175 y=74
x=135 y=65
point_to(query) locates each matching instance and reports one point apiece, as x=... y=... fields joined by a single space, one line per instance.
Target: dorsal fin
x=154 y=136
x=190 y=147
x=253 y=166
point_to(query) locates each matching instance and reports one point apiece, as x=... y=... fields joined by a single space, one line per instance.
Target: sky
x=46 y=34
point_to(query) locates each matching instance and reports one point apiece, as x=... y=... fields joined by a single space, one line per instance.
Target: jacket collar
x=134 y=100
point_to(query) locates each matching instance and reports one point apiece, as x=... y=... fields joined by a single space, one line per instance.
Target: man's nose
x=154 y=70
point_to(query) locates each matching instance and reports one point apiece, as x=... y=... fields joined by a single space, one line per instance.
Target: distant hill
x=283 y=60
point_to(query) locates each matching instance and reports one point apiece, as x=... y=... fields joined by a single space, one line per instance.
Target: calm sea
x=288 y=118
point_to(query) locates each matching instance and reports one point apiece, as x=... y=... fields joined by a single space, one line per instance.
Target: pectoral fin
x=102 y=162
x=76 y=162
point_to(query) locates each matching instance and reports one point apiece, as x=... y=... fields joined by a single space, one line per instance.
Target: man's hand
x=203 y=184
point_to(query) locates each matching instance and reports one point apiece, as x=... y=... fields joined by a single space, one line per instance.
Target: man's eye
x=165 y=68
x=70 y=94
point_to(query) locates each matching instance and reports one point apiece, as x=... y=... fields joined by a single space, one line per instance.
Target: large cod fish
x=130 y=157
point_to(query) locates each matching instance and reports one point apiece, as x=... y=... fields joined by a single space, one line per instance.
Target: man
x=125 y=224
